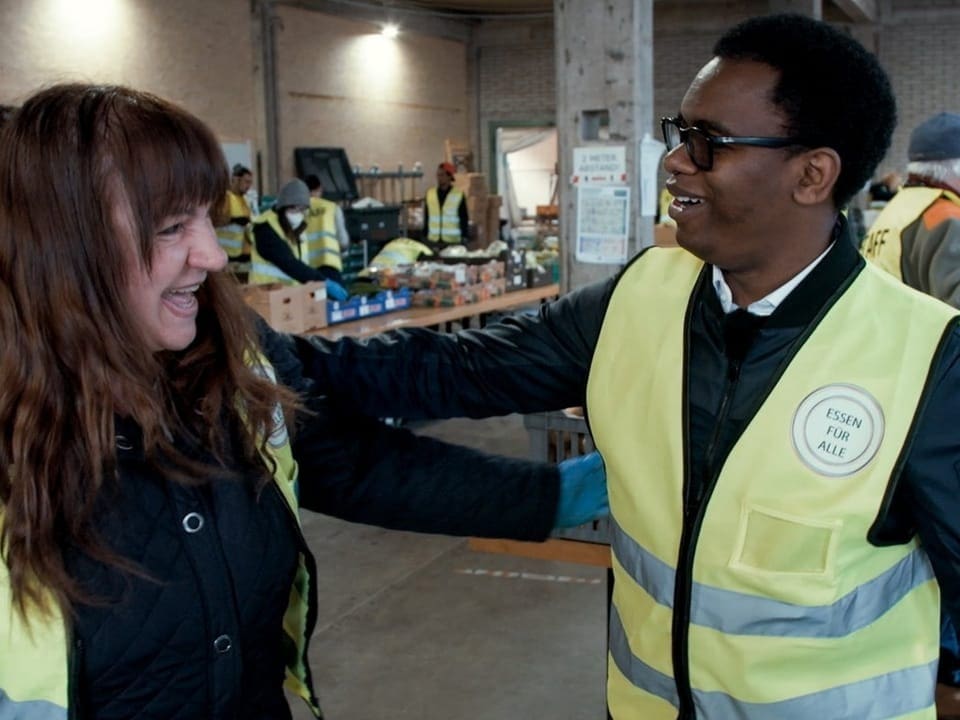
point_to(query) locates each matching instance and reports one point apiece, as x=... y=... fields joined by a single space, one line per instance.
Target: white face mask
x=294 y=218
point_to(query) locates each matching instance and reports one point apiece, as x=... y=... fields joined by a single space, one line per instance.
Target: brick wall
x=921 y=58
x=515 y=79
x=155 y=46
x=916 y=42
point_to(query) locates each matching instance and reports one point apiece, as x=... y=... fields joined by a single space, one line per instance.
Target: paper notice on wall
x=600 y=165
x=603 y=224
x=651 y=151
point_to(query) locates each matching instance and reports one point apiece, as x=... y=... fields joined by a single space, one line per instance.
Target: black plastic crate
x=377 y=224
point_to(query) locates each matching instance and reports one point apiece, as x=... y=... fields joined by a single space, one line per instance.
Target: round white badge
x=837 y=429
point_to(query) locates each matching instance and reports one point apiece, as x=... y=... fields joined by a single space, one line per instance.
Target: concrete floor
x=417 y=626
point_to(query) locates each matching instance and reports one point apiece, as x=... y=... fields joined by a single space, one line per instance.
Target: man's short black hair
x=832 y=90
x=313 y=181
x=239 y=170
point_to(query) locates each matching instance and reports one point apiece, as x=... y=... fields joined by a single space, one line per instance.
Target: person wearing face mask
x=280 y=249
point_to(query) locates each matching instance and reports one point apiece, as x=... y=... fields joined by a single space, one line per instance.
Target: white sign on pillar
x=601 y=165
x=603 y=223
x=603 y=204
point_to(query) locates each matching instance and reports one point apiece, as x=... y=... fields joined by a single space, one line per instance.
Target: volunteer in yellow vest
x=152 y=563
x=235 y=212
x=445 y=218
x=916 y=237
x=280 y=250
x=326 y=231
x=778 y=417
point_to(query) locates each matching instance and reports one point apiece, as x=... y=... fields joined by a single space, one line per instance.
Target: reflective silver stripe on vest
x=735 y=613
x=876 y=698
x=310 y=236
x=231 y=236
x=314 y=255
x=29 y=709
x=270 y=270
x=635 y=669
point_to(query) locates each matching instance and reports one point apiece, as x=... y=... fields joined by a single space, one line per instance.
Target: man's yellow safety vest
x=444 y=222
x=234 y=238
x=788 y=611
x=320 y=235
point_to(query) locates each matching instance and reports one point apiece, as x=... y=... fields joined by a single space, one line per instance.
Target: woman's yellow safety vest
x=320 y=235
x=883 y=243
x=263 y=271
x=34 y=662
x=445 y=221
x=233 y=237
x=790 y=612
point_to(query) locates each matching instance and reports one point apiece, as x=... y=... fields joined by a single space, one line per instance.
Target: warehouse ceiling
x=857 y=10
x=477 y=7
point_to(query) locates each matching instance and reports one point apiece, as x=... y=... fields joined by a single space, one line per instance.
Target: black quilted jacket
x=195 y=633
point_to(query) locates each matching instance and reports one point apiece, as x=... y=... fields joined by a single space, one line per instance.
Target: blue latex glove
x=583 y=491
x=336 y=291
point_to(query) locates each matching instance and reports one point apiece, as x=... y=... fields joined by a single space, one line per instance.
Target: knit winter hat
x=937 y=138
x=294 y=193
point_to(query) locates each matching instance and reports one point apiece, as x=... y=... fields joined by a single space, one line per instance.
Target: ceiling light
x=390 y=31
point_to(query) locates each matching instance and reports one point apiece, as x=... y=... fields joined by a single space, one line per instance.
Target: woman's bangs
x=181 y=167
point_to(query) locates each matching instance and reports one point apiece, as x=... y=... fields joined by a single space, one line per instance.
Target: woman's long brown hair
x=73 y=159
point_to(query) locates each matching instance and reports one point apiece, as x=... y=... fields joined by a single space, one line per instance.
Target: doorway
x=526 y=170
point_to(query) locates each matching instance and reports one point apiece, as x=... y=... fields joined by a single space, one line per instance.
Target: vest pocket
x=772 y=541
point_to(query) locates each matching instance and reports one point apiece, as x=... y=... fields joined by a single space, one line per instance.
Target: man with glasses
x=777 y=417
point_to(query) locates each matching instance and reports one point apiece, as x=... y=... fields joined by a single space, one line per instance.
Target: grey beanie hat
x=937 y=138
x=293 y=193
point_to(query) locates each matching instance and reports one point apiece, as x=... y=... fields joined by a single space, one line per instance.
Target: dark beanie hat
x=294 y=193
x=936 y=139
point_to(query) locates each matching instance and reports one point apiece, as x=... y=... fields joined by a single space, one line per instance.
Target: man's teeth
x=683 y=200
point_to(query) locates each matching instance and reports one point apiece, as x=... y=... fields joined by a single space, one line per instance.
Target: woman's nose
x=206 y=252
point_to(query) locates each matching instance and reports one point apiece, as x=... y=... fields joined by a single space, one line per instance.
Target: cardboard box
x=471 y=184
x=314 y=299
x=280 y=305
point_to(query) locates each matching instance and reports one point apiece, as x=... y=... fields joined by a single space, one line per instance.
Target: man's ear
x=818 y=172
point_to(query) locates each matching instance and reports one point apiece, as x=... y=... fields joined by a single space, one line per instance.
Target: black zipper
x=75 y=666
x=693 y=511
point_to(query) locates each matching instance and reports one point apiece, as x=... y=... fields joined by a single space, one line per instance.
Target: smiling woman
x=149 y=485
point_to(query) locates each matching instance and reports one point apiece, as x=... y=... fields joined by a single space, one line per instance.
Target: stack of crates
x=558 y=436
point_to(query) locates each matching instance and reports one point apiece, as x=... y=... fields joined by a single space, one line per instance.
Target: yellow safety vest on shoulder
x=263 y=271
x=444 y=223
x=883 y=244
x=792 y=613
x=34 y=664
x=320 y=235
x=233 y=237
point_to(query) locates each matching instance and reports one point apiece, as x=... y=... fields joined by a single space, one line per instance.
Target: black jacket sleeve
x=927 y=499
x=522 y=364
x=358 y=469
x=275 y=249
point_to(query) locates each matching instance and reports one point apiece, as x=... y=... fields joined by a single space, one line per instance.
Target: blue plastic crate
x=363 y=306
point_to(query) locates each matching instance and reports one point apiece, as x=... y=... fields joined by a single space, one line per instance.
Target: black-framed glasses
x=699 y=144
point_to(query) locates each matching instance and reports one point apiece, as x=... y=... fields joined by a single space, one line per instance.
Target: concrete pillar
x=604 y=66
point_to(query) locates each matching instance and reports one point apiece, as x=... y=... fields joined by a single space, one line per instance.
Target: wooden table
x=428 y=317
